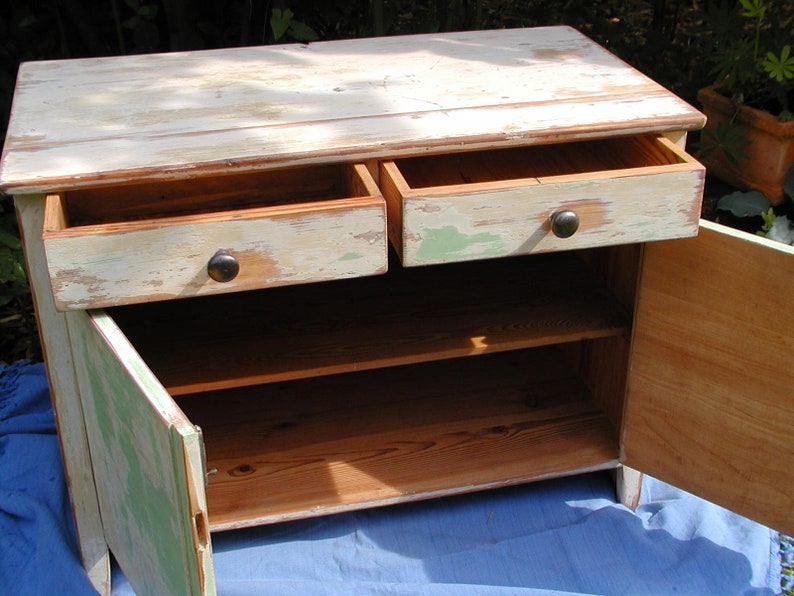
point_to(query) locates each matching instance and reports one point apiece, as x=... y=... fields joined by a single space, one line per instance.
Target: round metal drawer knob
x=564 y=223
x=223 y=267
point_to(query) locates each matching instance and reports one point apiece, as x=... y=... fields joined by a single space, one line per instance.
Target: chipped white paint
x=516 y=221
x=147 y=461
x=63 y=389
x=97 y=266
x=110 y=120
x=496 y=219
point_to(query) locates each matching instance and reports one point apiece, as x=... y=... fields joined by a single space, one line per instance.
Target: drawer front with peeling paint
x=486 y=204
x=140 y=243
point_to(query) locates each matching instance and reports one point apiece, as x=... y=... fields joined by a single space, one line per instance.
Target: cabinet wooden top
x=101 y=121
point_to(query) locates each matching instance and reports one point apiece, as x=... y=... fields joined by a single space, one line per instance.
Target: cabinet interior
x=363 y=392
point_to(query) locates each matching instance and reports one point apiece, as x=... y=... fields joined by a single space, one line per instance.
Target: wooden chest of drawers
x=284 y=282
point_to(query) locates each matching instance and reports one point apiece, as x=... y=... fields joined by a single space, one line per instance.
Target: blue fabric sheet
x=564 y=536
x=38 y=554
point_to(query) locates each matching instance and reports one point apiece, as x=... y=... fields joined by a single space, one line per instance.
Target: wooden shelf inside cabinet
x=318 y=446
x=406 y=316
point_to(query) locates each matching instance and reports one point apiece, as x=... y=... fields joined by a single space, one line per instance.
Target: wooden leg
x=65 y=399
x=628 y=484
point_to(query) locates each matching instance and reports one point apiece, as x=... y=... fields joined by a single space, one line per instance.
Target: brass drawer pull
x=223 y=267
x=564 y=223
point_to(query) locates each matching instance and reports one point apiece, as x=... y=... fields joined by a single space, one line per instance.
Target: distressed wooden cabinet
x=289 y=281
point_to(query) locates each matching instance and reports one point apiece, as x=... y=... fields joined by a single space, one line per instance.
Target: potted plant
x=749 y=139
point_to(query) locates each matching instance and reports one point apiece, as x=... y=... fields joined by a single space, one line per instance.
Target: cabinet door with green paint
x=147 y=458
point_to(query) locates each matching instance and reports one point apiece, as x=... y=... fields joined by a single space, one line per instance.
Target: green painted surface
x=447 y=242
x=140 y=468
x=351 y=256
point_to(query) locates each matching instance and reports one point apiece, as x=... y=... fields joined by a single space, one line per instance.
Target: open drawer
x=485 y=204
x=157 y=241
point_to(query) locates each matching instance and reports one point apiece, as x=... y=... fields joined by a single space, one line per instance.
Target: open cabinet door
x=710 y=404
x=147 y=459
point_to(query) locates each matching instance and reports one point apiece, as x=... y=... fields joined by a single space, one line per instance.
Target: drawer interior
x=417 y=383
x=538 y=161
x=213 y=195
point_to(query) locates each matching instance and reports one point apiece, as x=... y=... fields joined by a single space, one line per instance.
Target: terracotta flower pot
x=771 y=147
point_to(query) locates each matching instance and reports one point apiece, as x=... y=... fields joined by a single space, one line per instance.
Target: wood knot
x=498 y=430
x=242 y=470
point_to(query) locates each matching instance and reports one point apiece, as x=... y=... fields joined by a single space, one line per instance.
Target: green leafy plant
x=780 y=68
x=143 y=24
x=774 y=222
x=753 y=60
x=13 y=278
x=728 y=138
x=283 y=23
x=18 y=337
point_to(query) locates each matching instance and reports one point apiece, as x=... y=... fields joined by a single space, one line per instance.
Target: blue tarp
x=564 y=536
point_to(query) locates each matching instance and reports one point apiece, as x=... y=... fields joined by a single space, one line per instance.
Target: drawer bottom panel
x=316 y=446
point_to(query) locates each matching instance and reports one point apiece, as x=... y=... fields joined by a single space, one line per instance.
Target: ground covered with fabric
x=563 y=536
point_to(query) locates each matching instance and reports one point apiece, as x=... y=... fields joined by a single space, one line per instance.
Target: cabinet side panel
x=64 y=394
x=710 y=406
x=141 y=447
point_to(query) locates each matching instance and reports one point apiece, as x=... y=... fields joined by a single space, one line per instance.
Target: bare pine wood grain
x=710 y=399
x=317 y=446
x=538 y=161
x=158 y=200
x=103 y=121
x=604 y=363
x=403 y=317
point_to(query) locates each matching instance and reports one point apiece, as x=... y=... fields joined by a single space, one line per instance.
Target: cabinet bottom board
x=318 y=446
